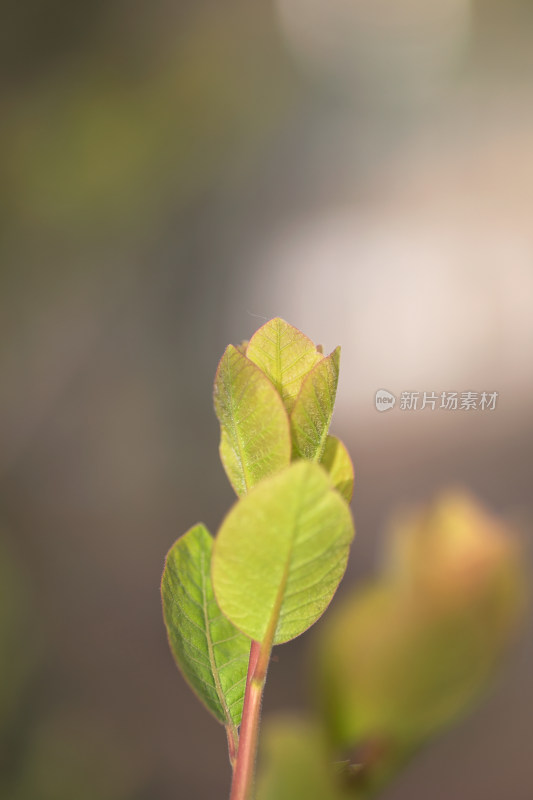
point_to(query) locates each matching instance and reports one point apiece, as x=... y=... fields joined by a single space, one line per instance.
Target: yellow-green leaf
x=254 y=427
x=281 y=553
x=211 y=653
x=285 y=355
x=313 y=409
x=337 y=462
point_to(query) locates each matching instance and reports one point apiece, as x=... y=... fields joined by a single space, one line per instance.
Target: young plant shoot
x=282 y=549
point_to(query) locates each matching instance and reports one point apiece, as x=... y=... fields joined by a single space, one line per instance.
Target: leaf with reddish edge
x=312 y=412
x=254 y=428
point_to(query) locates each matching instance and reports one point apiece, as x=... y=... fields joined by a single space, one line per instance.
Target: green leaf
x=255 y=435
x=210 y=652
x=337 y=462
x=281 y=553
x=285 y=355
x=313 y=409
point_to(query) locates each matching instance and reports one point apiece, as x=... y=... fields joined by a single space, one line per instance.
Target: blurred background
x=174 y=174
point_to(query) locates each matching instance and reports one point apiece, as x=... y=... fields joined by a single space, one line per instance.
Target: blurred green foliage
x=406 y=656
x=116 y=135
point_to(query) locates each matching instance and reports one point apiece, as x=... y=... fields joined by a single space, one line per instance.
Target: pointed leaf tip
x=285 y=355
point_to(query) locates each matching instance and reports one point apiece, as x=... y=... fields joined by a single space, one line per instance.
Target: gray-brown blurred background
x=173 y=174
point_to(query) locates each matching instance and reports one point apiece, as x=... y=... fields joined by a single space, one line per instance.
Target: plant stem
x=246 y=754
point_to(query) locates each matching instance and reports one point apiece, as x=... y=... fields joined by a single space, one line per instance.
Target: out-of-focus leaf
x=211 y=653
x=313 y=408
x=285 y=355
x=295 y=763
x=281 y=552
x=458 y=552
x=254 y=427
x=400 y=670
x=406 y=656
x=336 y=460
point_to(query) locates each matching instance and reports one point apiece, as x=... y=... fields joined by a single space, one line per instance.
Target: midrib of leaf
x=298 y=520
x=211 y=652
x=302 y=406
x=274 y=618
x=278 y=603
x=324 y=435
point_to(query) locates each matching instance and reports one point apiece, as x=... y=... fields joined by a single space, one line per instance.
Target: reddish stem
x=246 y=754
